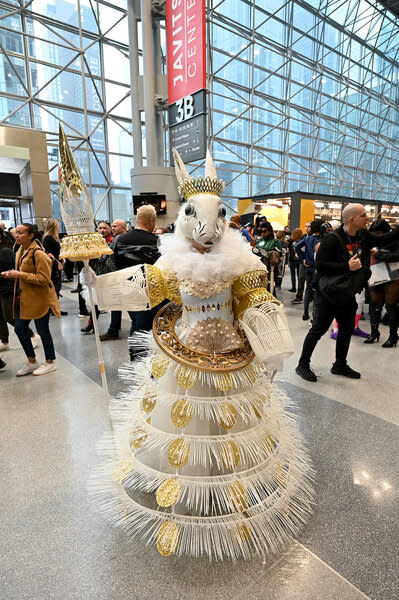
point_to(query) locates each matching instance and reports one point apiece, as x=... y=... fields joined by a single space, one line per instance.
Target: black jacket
x=136 y=247
x=7 y=263
x=333 y=254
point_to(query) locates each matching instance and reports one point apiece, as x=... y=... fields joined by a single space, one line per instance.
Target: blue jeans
x=42 y=328
x=309 y=272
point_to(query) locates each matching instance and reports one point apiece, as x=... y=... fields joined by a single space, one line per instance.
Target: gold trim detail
x=84 y=246
x=161 y=286
x=167 y=538
x=198 y=308
x=205 y=290
x=168 y=493
x=254 y=298
x=228 y=415
x=238 y=496
x=178 y=453
x=216 y=362
x=181 y=413
x=248 y=282
x=230 y=455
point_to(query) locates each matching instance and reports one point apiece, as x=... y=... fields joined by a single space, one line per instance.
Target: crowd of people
x=32 y=272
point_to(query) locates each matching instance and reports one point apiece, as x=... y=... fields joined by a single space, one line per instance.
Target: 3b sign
x=184 y=109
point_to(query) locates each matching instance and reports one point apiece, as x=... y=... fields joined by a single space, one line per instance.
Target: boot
x=89 y=327
x=375 y=315
x=393 y=319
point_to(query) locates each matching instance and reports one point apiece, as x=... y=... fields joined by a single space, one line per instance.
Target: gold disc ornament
x=123 y=470
x=167 y=538
x=159 y=365
x=230 y=455
x=228 y=415
x=178 y=453
x=149 y=402
x=168 y=492
x=139 y=436
x=238 y=496
x=187 y=377
x=181 y=413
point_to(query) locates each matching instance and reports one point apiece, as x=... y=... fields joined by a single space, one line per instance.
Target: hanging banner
x=185 y=47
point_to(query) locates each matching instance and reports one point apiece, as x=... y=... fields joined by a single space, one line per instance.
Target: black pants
x=323 y=314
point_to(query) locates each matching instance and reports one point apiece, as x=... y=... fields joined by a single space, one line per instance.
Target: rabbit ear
x=180 y=167
x=210 y=170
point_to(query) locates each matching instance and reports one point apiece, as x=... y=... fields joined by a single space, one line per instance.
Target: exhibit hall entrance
x=16 y=210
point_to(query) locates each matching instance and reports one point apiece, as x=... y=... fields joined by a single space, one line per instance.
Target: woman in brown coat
x=34 y=298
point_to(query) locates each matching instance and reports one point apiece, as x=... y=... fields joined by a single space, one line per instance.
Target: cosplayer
x=205 y=457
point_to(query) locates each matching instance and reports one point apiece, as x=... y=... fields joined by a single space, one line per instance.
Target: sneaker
x=292 y=290
x=105 y=337
x=75 y=291
x=27 y=369
x=4 y=346
x=84 y=315
x=296 y=301
x=45 y=368
x=334 y=334
x=306 y=373
x=305 y=317
x=35 y=339
x=346 y=371
x=2 y=364
x=360 y=333
x=64 y=313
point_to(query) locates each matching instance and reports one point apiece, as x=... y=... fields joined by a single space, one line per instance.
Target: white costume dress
x=206 y=457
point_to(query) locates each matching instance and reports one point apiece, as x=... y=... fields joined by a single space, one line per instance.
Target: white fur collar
x=231 y=257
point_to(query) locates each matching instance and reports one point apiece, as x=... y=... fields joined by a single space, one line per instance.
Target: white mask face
x=202 y=219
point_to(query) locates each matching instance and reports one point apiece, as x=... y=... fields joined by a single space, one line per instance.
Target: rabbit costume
x=206 y=457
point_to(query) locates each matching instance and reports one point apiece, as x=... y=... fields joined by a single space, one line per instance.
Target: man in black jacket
x=138 y=246
x=345 y=250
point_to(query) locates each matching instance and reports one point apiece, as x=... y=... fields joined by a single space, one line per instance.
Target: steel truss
x=302 y=95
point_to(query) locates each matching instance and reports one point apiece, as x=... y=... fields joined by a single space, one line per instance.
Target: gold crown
x=191 y=187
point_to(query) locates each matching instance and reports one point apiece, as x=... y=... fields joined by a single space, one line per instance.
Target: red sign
x=186 y=47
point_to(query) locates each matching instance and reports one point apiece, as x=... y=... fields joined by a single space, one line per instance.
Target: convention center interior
x=199 y=299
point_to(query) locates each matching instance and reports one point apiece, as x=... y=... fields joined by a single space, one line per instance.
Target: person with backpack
x=34 y=298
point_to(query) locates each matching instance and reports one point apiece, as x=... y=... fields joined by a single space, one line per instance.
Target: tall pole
x=134 y=83
x=149 y=83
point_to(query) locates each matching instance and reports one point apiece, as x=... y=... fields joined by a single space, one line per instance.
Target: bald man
x=345 y=250
x=118 y=227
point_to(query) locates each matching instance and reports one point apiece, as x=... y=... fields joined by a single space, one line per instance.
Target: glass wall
x=304 y=96
x=67 y=61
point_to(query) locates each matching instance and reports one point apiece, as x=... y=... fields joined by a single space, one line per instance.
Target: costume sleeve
x=327 y=257
x=136 y=288
x=250 y=290
x=42 y=274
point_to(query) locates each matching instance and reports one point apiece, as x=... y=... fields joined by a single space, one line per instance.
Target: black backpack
x=54 y=265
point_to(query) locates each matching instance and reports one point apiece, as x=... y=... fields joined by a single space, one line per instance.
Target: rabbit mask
x=202 y=218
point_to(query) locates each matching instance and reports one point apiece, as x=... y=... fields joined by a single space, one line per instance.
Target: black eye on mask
x=189 y=210
x=222 y=212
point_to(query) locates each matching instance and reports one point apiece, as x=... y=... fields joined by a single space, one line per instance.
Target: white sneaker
x=4 y=346
x=28 y=368
x=35 y=339
x=45 y=368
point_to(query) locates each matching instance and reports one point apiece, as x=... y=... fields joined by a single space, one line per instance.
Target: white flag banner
x=123 y=290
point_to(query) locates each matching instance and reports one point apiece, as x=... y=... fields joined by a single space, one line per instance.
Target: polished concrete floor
x=54 y=546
